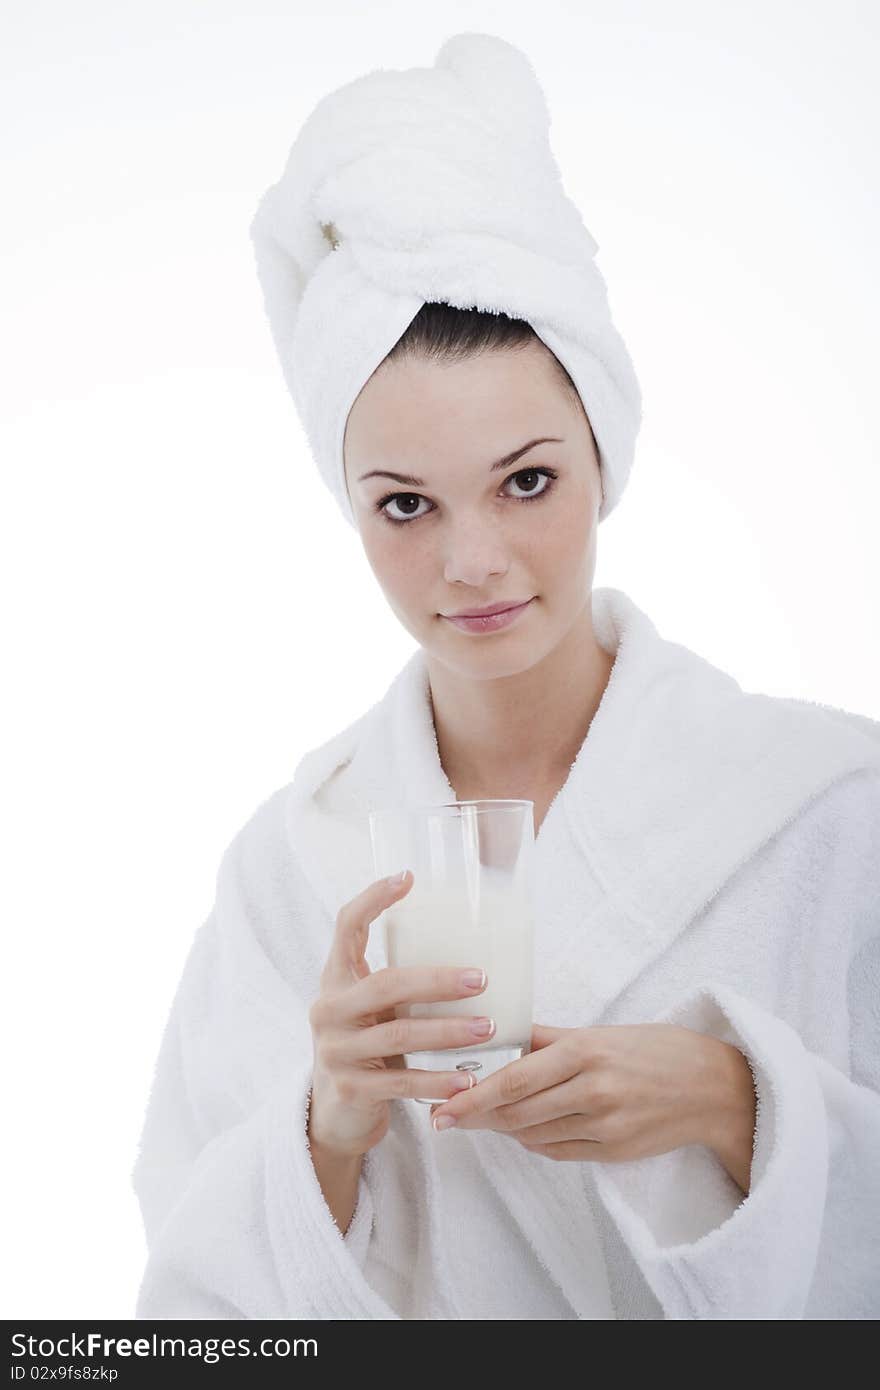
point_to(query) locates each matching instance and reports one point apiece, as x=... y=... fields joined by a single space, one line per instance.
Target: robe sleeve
x=357 y=1237
x=805 y=1241
x=236 y=1223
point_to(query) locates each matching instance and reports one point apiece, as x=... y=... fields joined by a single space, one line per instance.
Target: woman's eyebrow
x=409 y=480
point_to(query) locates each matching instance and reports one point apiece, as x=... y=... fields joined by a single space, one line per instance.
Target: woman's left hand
x=619 y=1092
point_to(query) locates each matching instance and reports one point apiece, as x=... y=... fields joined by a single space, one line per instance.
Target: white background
x=186 y=612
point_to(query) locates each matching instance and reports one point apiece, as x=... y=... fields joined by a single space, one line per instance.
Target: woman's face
x=451 y=532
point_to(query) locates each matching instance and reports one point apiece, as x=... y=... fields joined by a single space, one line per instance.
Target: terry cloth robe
x=713 y=860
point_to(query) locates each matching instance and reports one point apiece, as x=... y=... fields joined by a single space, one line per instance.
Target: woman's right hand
x=358 y=1041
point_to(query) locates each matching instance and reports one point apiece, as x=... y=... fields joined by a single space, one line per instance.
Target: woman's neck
x=504 y=736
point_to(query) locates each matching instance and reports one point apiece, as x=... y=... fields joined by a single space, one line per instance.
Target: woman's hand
x=358 y=1041
x=619 y=1092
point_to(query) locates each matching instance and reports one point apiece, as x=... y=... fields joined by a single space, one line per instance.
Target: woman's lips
x=493 y=622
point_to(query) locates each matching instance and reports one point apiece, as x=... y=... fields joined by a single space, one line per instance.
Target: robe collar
x=682 y=777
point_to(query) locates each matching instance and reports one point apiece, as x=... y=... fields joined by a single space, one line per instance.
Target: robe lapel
x=682 y=778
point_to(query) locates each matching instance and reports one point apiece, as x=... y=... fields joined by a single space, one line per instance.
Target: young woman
x=695 y=1132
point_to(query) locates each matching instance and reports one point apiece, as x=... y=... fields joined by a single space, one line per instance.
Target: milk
x=490 y=927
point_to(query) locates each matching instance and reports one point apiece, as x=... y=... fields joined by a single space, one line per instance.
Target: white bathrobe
x=713 y=859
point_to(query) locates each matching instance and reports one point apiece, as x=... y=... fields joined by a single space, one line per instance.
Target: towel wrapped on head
x=434 y=185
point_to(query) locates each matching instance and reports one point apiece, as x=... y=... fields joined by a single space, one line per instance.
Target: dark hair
x=444 y=333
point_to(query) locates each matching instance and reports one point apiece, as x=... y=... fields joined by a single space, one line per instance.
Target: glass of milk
x=469 y=905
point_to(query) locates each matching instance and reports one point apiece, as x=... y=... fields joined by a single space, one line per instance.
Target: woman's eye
x=529 y=494
x=397 y=497
x=534 y=473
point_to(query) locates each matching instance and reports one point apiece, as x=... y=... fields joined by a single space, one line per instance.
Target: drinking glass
x=469 y=905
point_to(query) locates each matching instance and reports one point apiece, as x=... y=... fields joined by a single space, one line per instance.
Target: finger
x=411 y=1083
x=542 y=1035
x=346 y=958
x=544 y=1107
x=399 y=1035
x=563 y=1129
x=575 y=1151
x=513 y=1083
x=383 y=989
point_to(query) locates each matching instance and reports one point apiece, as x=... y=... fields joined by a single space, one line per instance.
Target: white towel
x=434 y=184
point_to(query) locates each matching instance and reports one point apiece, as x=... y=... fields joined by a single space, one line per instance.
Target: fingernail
x=396 y=879
x=443 y=1122
x=473 y=979
x=482 y=1027
x=464 y=1082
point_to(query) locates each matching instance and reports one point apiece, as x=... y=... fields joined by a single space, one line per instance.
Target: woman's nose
x=474 y=558
x=474 y=566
